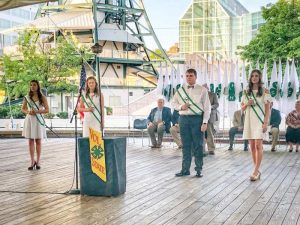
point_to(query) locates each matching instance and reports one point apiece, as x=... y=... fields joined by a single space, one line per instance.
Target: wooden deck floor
x=154 y=196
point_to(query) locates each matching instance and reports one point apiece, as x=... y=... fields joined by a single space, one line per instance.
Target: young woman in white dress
x=256 y=104
x=90 y=106
x=34 y=105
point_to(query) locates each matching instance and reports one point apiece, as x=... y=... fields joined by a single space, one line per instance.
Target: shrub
x=15 y=111
x=109 y=110
x=49 y=115
x=62 y=115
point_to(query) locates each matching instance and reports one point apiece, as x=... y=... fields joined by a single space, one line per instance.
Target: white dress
x=253 y=125
x=89 y=120
x=32 y=128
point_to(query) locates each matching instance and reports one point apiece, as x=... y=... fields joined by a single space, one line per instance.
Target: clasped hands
x=33 y=112
x=150 y=124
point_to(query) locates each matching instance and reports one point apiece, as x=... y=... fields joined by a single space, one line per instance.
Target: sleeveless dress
x=253 y=125
x=89 y=120
x=32 y=128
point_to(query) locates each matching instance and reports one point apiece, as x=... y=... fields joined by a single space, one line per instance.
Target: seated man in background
x=293 y=130
x=238 y=127
x=274 y=123
x=175 y=130
x=210 y=132
x=159 y=120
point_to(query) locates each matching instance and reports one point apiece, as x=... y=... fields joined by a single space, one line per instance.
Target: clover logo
x=97 y=152
x=218 y=90
x=290 y=89
x=274 y=88
x=231 y=91
x=212 y=88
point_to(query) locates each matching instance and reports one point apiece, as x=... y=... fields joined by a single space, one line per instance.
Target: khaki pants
x=175 y=132
x=210 y=137
x=160 y=129
x=275 y=136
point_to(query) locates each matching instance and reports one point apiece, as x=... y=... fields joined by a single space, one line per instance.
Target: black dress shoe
x=211 y=152
x=230 y=148
x=32 y=167
x=153 y=146
x=37 y=166
x=245 y=149
x=199 y=174
x=273 y=150
x=182 y=173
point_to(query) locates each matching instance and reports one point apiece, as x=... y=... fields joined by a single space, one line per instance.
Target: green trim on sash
x=193 y=107
x=258 y=104
x=85 y=101
x=36 y=115
x=254 y=109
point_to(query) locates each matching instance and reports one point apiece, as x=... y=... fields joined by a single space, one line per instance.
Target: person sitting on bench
x=238 y=127
x=159 y=120
x=274 y=123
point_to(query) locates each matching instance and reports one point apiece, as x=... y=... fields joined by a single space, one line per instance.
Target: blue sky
x=164 y=16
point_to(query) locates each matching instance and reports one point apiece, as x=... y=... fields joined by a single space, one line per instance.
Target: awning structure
x=75 y=21
x=9 y=4
x=111 y=32
x=78 y=20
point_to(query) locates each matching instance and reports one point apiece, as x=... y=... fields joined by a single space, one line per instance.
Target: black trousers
x=232 y=132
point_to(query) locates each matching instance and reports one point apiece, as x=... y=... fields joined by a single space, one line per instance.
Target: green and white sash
x=33 y=106
x=254 y=106
x=90 y=103
x=187 y=99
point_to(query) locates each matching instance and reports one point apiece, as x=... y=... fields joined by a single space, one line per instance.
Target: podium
x=115 y=159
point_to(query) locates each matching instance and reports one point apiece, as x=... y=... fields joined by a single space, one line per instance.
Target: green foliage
x=109 y=110
x=15 y=111
x=156 y=55
x=62 y=115
x=55 y=67
x=49 y=115
x=279 y=37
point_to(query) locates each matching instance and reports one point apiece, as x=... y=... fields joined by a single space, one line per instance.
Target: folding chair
x=140 y=125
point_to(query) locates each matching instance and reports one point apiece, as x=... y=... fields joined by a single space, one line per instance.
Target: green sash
x=186 y=99
x=253 y=107
x=93 y=105
x=38 y=116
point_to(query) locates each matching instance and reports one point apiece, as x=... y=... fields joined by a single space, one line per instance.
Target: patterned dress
x=91 y=119
x=253 y=125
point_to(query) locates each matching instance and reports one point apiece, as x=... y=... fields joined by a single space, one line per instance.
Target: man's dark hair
x=192 y=71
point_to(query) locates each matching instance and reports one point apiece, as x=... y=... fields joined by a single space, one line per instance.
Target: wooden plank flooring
x=154 y=195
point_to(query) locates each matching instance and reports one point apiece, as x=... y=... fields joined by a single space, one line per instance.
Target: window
x=114 y=100
x=21 y=13
x=4 y=23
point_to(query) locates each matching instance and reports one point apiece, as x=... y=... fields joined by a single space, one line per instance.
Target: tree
x=279 y=37
x=156 y=55
x=55 y=67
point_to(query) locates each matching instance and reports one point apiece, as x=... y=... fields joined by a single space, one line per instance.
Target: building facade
x=215 y=28
x=12 y=18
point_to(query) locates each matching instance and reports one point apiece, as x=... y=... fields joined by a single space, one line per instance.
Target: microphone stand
x=76 y=191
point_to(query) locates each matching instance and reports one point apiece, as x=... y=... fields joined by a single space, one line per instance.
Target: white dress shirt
x=199 y=95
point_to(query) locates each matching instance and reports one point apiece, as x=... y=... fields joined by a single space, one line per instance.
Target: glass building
x=14 y=17
x=215 y=28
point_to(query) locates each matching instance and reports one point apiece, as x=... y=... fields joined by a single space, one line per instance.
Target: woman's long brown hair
x=87 y=90
x=260 y=83
x=39 y=93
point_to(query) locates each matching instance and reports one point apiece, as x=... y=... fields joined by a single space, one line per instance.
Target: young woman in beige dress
x=34 y=105
x=256 y=104
x=90 y=106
